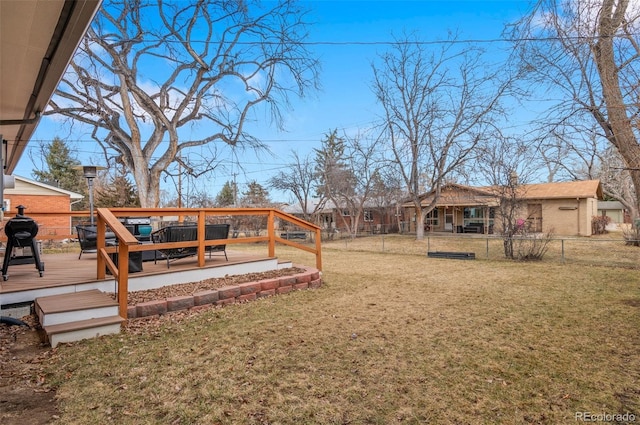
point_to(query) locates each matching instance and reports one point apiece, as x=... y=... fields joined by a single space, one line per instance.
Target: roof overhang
x=37 y=40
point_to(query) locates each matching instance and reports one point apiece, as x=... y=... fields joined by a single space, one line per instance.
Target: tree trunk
x=420 y=215
x=619 y=131
x=148 y=187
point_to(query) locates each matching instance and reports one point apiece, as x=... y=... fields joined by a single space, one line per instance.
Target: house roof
x=37 y=40
x=39 y=188
x=453 y=194
x=560 y=190
x=610 y=205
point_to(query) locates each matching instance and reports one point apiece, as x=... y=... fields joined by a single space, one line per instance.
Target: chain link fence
x=605 y=250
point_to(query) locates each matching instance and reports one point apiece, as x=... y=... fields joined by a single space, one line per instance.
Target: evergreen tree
x=115 y=190
x=227 y=195
x=255 y=195
x=59 y=168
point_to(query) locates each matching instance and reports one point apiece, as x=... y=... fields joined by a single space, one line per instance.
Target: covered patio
x=458 y=209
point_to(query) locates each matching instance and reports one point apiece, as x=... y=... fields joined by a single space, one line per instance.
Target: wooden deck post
x=201 y=237
x=271 y=231
x=319 y=249
x=101 y=242
x=123 y=279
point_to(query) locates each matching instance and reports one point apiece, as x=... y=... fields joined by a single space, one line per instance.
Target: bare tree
x=609 y=168
x=589 y=51
x=556 y=152
x=387 y=195
x=300 y=179
x=437 y=108
x=507 y=164
x=347 y=168
x=152 y=74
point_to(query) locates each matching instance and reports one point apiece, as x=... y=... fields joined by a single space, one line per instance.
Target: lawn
x=391 y=337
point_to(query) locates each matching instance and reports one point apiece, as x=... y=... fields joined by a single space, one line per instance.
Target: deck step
x=78 y=315
x=76 y=306
x=74 y=301
x=83 y=329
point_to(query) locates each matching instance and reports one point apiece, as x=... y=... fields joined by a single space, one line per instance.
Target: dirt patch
x=25 y=396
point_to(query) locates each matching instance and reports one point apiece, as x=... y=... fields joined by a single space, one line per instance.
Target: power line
x=385 y=42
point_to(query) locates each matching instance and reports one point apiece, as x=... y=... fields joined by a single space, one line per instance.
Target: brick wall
x=49 y=226
x=309 y=279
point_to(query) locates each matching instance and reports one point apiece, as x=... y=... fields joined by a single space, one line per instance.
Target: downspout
x=578 y=212
x=70 y=219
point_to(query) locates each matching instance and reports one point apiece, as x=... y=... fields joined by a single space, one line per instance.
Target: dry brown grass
x=606 y=250
x=391 y=337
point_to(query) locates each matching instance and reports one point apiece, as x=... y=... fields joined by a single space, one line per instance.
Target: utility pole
x=179 y=184
x=235 y=191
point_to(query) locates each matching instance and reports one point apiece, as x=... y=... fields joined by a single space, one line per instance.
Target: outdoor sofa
x=189 y=232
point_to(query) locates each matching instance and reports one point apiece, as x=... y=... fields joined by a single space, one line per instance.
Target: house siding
x=563 y=209
x=567 y=217
x=50 y=226
x=38 y=198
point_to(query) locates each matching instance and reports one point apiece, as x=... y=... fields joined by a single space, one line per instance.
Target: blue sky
x=345 y=101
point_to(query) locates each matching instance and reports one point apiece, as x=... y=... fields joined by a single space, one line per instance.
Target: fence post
x=319 y=249
x=562 y=240
x=487 y=248
x=271 y=231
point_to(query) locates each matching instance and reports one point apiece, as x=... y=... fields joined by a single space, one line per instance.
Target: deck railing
x=127 y=243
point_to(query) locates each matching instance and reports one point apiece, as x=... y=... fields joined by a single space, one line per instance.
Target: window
x=368 y=215
x=432 y=218
x=473 y=212
x=346 y=213
x=477 y=215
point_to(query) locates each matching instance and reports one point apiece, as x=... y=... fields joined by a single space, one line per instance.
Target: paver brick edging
x=244 y=292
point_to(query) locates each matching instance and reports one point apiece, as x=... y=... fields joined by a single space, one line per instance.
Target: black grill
x=21 y=232
x=134 y=223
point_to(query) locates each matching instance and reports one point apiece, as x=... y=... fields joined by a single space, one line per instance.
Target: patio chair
x=88 y=238
x=217 y=231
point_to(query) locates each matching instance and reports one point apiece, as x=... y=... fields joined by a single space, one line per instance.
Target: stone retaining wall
x=309 y=279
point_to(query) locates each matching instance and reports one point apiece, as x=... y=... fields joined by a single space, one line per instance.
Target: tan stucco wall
x=567 y=217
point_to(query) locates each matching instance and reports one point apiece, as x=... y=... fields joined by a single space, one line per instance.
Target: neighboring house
x=564 y=208
x=374 y=219
x=616 y=211
x=41 y=197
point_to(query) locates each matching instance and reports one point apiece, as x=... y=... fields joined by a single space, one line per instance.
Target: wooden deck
x=65 y=273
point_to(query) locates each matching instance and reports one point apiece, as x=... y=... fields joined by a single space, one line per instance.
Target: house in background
x=330 y=217
x=458 y=208
x=616 y=211
x=41 y=197
x=564 y=208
